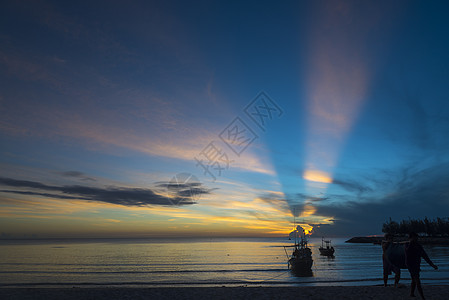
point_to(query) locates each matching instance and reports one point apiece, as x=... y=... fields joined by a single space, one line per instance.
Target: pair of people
x=411 y=259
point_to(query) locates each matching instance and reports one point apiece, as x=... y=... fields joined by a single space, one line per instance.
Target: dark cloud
x=24 y=183
x=417 y=195
x=400 y=194
x=114 y=195
x=192 y=189
x=304 y=197
x=171 y=184
x=43 y=194
x=77 y=174
x=351 y=186
x=183 y=187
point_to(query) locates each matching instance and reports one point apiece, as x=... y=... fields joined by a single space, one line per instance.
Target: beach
x=325 y=292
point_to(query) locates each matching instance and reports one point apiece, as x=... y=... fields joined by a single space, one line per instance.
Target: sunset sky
x=221 y=118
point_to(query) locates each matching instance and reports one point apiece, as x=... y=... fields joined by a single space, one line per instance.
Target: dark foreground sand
x=209 y=293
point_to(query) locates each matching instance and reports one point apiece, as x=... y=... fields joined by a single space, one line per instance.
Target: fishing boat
x=300 y=262
x=326 y=248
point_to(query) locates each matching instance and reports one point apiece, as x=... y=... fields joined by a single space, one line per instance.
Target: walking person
x=388 y=267
x=413 y=253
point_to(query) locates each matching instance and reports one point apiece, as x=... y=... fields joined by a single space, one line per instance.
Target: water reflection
x=224 y=262
x=327 y=257
x=302 y=273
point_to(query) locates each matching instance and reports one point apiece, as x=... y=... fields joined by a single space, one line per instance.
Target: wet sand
x=326 y=292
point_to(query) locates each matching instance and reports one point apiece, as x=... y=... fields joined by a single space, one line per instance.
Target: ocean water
x=204 y=262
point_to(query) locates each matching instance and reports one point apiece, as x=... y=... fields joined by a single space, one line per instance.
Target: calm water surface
x=194 y=262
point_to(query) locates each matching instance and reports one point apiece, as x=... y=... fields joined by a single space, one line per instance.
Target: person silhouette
x=413 y=253
x=388 y=267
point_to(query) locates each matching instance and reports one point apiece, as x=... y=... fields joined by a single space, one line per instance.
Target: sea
x=195 y=262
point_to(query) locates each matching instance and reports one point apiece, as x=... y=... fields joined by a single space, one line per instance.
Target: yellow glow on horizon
x=223 y=215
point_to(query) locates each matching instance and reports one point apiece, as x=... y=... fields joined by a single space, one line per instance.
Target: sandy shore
x=327 y=292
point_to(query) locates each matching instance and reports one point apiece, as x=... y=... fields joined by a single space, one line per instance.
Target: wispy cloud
x=352 y=186
x=114 y=195
x=78 y=175
x=88 y=109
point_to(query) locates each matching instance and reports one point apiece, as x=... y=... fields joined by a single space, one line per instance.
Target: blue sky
x=103 y=104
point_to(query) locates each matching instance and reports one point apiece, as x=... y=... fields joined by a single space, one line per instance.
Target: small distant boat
x=300 y=262
x=326 y=248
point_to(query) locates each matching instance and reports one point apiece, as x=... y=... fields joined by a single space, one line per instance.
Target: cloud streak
x=352 y=186
x=114 y=195
x=77 y=175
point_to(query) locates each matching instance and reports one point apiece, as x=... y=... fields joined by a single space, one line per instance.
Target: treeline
x=435 y=227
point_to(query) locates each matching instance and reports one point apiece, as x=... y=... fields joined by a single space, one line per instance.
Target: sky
x=221 y=118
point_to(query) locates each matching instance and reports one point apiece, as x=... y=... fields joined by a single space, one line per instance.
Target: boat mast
x=294 y=226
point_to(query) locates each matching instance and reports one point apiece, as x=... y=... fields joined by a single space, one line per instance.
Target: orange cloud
x=317 y=176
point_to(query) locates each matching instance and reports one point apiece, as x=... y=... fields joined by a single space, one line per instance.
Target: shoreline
x=324 y=292
x=423 y=240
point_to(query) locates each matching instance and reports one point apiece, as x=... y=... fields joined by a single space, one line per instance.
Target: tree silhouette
x=435 y=227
